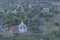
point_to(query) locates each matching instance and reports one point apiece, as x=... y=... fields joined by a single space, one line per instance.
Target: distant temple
x=22 y=28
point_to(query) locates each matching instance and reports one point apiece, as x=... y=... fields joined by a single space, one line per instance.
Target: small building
x=30 y=6
x=14 y=12
x=5 y=29
x=56 y=3
x=1 y=9
x=22 y=28
x=46 y=10
x=1 y=29
x=13 y=29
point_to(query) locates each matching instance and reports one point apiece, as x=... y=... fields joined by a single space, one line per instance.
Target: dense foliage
x=47 y=24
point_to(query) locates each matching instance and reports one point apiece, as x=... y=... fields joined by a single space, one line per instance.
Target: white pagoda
x=22 y=28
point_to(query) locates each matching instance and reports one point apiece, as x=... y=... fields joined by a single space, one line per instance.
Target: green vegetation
x=43 y=25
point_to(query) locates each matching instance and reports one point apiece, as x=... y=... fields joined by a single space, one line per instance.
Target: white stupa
x=22 y=28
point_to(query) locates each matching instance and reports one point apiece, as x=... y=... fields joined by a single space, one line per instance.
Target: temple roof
x=22 y=24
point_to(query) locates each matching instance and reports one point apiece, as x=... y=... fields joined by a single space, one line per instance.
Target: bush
x=56 y=24
x=56 y=33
